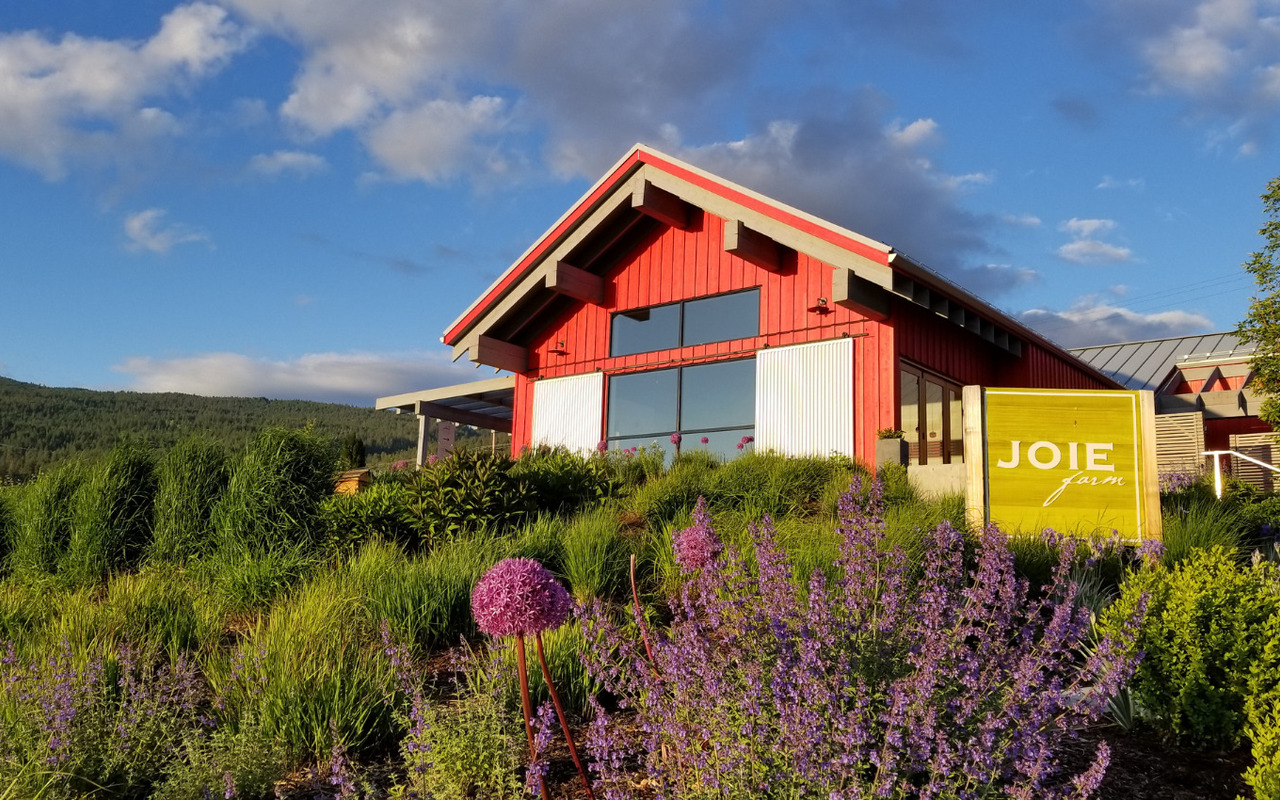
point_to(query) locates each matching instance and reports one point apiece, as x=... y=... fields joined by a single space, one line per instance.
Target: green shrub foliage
x=1263 y=710
x=562 y=481
x=1202 y=637
x=466 y=492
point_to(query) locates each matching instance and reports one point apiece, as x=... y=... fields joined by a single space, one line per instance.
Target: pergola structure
x=482 y=404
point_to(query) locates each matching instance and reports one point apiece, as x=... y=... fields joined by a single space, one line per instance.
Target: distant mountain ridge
x=41 y=426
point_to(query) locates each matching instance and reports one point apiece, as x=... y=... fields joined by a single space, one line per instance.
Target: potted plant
x=891 y=448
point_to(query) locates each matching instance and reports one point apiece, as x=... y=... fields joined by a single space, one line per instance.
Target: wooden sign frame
x=1043 y=444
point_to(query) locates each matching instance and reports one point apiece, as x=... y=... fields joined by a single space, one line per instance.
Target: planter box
x=892 y=451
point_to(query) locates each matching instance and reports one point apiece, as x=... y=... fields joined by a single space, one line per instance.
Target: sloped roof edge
x=838 y=245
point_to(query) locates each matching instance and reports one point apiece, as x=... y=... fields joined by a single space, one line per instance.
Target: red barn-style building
x=669 y=300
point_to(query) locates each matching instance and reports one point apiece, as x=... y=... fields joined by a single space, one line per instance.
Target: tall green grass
x=9 y=499
x=273 y=497
x=111 y=517
x=312 y=662
x=426 y=599
x=189 y=480
x=563 y=648
x=596 y=556
x=1199 y=521
x=44 y=521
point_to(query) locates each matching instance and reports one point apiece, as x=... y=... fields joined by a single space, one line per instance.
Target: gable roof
x=1148 y=364
x=648 y=188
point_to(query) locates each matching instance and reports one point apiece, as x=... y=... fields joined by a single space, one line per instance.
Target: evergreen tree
x=1261 y=325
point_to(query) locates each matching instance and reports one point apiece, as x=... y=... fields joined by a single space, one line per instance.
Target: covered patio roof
x=482 y=404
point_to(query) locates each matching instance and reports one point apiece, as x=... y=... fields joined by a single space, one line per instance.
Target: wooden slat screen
x=1180 y=442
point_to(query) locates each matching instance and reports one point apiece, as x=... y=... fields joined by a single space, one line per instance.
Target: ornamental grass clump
x=520 y=598
x=891 y=680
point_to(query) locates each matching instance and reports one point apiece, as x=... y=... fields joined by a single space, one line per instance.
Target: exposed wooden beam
x=752 y=246
x=438 y=411
x=576 y=283
x=500 y=354
x=661 y=205
x=850 y=290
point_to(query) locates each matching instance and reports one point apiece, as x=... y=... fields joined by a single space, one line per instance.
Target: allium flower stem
x=635 y=599
x=564 y=724
x=527 y=706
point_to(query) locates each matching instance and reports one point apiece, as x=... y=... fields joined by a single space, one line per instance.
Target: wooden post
x=424 y=432
x=975 y=458
x=445 y=433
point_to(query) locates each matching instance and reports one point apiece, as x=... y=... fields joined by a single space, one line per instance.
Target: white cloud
x=440 y=138
x=146 y=231
x=1021 y=220
x=1092 y=321
x=281 y=161
x=1085 y=247
x=1109 y=182
x=1220 y=55
x=356 y=378
x=920 y=132
x=83 y=99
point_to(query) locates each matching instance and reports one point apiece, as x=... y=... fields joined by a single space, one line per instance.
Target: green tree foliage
x=42 y=427
x=353 y=453
x=1261 y=325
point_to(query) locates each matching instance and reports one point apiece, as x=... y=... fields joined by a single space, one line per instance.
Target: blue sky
x=293 y=198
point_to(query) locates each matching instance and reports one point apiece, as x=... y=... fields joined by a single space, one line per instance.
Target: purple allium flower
x=741 y=445
x=748 y=439
x=399 y=465
x=705 y=440
x=675 y=439
x=602 y=446
x=697 y=546
x=519 y=597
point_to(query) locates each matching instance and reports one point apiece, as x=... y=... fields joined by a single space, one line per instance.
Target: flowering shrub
x=880 y=683
x=69 y=725
x=1176 y=481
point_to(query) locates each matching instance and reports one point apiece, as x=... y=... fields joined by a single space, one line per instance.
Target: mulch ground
x=1143 y=767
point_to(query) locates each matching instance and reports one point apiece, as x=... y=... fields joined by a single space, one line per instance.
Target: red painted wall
x=673 y=265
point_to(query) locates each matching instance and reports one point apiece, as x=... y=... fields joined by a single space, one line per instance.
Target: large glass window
x=719 y=318
x=930 y=417
x=715 y=401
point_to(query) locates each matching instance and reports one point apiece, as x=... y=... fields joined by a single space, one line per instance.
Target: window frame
x=664 y=435
x=680 y=323
x=952 y=450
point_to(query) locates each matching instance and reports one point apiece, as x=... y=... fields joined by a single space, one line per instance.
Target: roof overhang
x=483 y=404
x=648 y=188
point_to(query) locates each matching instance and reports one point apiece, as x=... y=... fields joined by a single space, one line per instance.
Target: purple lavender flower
x=519 y=597
x=697 y=546
x=1176 y=481
x=1151 y=552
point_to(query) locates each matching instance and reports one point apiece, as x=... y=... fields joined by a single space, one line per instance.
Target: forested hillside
x=41 y=426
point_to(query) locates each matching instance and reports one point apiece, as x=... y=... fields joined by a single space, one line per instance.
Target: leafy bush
x=242 y=761
x=1262 y=708
x=380 y=511
x=245 y=579
x=562 y=481
x=273 y=498
x=879 y=683
x=8 y=525
x=189 y=480
x=1202 y=636
x=111 y=519
x=663 y=499
x=467 y=492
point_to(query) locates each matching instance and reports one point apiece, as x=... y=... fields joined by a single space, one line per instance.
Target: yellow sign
x=1074 y=461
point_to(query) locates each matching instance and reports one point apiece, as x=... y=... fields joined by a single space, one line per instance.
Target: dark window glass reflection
x=721 y=395
x=721 y=318
x=642 y=403
x=645 y=330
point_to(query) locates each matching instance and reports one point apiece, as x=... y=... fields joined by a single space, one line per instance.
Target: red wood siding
x=674 y=265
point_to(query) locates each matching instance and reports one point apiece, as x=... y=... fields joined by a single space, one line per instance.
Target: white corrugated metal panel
x=569 y=411
x=804 y=399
